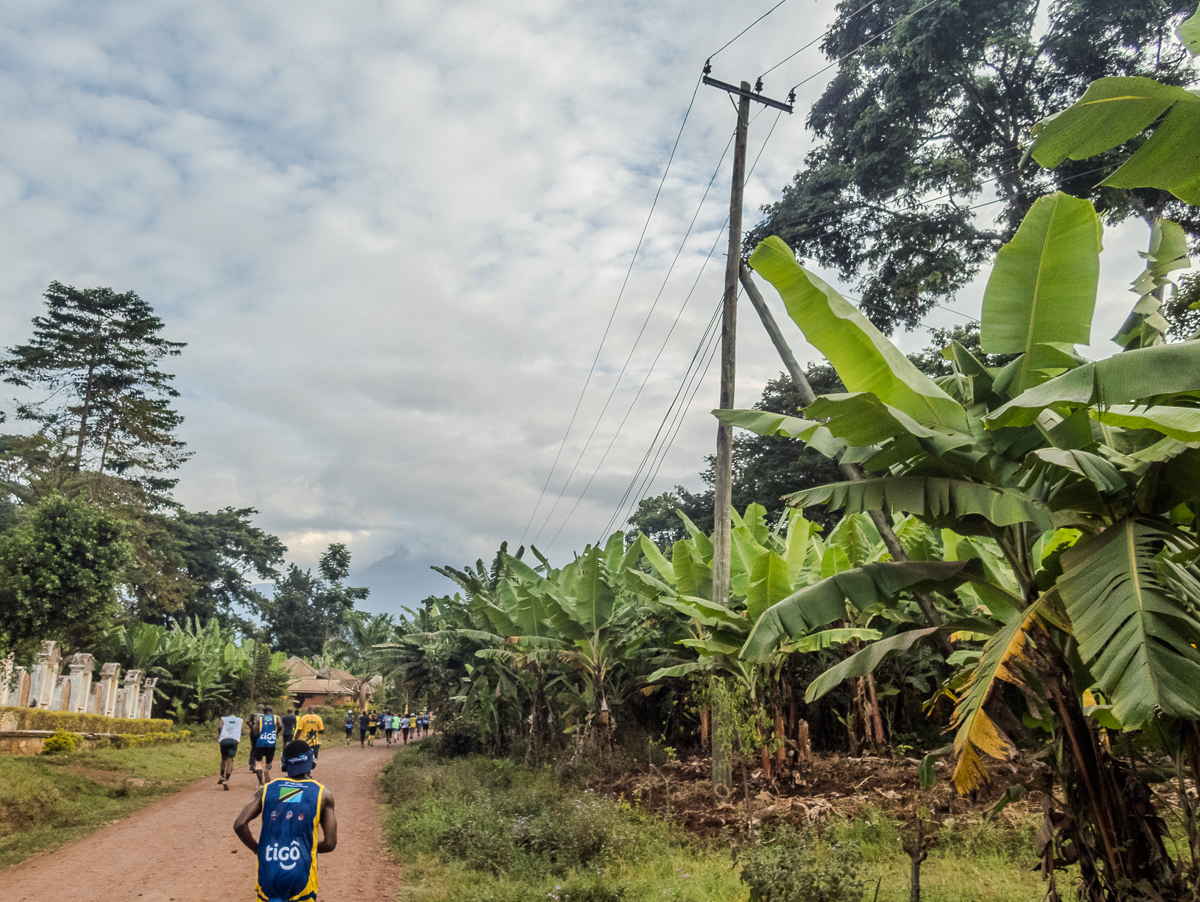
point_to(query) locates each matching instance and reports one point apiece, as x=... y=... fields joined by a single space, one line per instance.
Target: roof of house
x=332 y=673
x=319 y=687
x=299 y=668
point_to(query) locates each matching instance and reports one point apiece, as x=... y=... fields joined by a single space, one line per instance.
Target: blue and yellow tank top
x=287 y=845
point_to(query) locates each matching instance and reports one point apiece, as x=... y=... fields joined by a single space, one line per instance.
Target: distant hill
x=400 y=581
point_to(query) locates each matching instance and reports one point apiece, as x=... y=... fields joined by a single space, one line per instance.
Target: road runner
x=292 y=809
x=228 y=738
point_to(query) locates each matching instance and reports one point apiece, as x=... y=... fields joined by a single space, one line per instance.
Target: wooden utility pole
x=722 y=521
x=723 y=488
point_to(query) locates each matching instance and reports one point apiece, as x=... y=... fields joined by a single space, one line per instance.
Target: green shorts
x=229 y=748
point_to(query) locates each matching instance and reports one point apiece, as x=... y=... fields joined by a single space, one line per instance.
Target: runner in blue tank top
x=292 y=809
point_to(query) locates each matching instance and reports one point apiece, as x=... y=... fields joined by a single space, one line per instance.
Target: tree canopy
x=927 y=121
x=106 y=406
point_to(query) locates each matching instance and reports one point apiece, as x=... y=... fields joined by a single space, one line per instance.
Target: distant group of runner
x=371 y=724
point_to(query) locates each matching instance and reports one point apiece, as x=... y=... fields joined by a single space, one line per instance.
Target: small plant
x=787 y=867
x=62 y=741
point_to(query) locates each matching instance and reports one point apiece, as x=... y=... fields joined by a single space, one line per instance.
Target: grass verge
x=49 y=800
x=482 y=830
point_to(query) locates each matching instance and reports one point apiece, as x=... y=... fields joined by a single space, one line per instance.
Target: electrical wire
x=653 y=363
x=620 y=294
x=814 y=40
x=748 y=27
x=666 y=447
x=864 y=44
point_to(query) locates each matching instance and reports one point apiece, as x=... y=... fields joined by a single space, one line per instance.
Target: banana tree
x=1085 y=475
x=592 y=614
x=768 y=565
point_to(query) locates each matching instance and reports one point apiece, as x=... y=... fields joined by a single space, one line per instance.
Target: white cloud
x=391 y=234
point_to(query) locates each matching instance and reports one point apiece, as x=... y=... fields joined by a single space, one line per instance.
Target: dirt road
x=182 y=849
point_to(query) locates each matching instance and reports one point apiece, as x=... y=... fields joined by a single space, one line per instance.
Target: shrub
x=786 y=867
x=16 y=718
x=62 y=741
x=459 y=738
x=136 y=740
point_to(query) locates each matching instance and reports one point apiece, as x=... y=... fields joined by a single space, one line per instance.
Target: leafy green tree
x=219 y=551
x=356 y=646
x=59 y=572
x=305 y=611
x=933 y=115
x=107 y=404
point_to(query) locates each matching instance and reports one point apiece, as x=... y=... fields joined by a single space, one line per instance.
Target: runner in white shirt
x=229 y=736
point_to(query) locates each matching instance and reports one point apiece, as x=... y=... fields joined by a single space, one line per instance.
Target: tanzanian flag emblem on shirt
x=291 y=794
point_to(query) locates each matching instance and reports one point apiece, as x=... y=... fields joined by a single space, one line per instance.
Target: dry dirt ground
x=834 y=786
x=183 y=849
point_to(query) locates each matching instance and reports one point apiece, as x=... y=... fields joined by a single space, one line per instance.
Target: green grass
x=48 y=800
x=477 y=830
x=489 y=831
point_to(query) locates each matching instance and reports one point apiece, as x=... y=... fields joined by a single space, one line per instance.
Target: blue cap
x=298 y=762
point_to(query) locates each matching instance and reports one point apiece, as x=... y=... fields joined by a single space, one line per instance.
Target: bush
x=135 y=740
x=16 y=718
x=459 y=738
x=786 y=867
x=62 y=741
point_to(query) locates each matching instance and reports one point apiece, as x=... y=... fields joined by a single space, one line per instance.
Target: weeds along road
x=182 y=848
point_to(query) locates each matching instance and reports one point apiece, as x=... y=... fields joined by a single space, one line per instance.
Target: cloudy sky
x=392 y=235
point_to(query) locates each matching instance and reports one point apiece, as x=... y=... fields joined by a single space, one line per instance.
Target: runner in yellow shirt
x=309 y=729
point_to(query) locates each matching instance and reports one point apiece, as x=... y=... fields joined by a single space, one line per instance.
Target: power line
x=653 y=363
x=675 y=427
x=608 y=326
x=842 y=59
x=625 y=366
x=814 y=40
x=748 y=27
x=666 y=447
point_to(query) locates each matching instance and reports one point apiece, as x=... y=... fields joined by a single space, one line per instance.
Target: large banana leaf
x=1001 y=660
x=940 y=501
x=770 y=583
x=1137 y=637
x=693 y=576
x=863 y=662
x=1180 y=423
x=825 y=602
x=828 y=638
x=862 y=356
x=763 y=422
x=1043 y=286
x=862 y=419
x=1112 y=111
x=595 y=597
x=1146 y=326
x=1189 y=33
x=657 y=559
x=1141 y=375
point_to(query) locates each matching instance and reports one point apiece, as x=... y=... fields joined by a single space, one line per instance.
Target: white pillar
x=148 y=697
x=81 y=682
x=46 y=670
x=132 y=679
x=108 y=690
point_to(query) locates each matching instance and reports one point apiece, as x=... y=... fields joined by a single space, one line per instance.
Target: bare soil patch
x=836 y=786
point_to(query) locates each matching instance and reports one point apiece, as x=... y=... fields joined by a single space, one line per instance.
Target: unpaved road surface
x=182 y=848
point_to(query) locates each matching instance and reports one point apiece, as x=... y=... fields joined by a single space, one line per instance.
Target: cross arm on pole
x=751 y=95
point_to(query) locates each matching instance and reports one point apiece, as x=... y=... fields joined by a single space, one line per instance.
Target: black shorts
x=371 y=729
x=263 y=753
x=349 y=730
x=229 y=748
